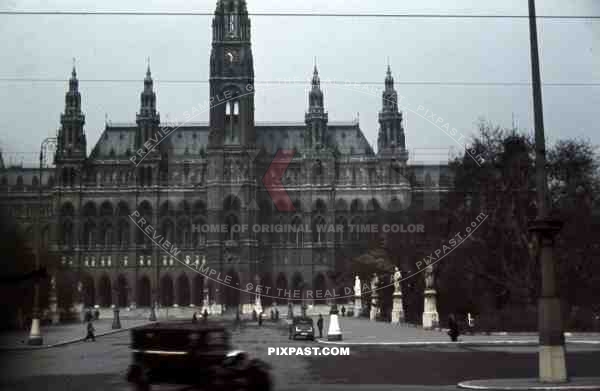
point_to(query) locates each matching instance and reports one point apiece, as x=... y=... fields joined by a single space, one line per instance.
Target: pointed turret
x=148 y=119
x=391 y=140
x=316 y=118
x=71 y=138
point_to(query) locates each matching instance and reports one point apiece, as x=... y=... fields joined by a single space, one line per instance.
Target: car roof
x=301 y=319
x=183 y=325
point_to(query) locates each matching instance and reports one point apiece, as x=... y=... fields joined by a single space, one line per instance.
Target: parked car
x=195 y=354
x=302 y=327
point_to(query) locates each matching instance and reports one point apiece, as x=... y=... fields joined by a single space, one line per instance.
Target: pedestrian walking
x=272 y=314
x=194 y=318
x=276 y=314
x=90 y=332
x=453 y=328
x=97 y=314
x=260 y=319
x=343 y=311
x=205 y=315
x=320 y=325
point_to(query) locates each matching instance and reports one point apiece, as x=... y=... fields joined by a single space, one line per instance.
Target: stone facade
x=182 y=177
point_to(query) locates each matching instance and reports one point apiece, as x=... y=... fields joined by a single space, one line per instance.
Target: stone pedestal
x=334 y=333
x=53 y=308
x=54 y=315
x=397 y=309
x=35 y=336
x=430 y=314
x=357 y=306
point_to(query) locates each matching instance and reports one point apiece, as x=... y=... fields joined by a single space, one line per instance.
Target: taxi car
x=302 y=327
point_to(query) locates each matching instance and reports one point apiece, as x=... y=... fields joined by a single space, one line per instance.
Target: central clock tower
x=231 y=77
x=231 y=182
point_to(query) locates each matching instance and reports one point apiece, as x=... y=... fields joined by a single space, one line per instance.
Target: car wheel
x=258 y=377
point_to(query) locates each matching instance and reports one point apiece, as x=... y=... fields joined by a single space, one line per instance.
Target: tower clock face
x=231 y=56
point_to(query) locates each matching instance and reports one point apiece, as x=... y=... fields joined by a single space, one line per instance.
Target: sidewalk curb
x=450 y=343
x=581 y=383
x=66 y=342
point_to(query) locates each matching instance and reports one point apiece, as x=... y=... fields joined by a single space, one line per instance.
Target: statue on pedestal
x=429 y=277
x=357 y=297
x=374 y=282
x=430 y=314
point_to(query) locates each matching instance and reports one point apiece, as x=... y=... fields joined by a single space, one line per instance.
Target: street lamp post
x=552 y=363
x=155 y=294
x=35 y=335
x=116 y=324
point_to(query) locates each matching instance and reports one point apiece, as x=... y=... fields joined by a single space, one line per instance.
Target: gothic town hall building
x=215 y=174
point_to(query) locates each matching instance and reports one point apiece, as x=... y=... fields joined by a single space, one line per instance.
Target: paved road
x=101 y=365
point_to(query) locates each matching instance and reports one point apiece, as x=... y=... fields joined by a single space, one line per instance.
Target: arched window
x=232 y=228
x=232 y=122
x=123 y=234
x=319 y=230
x=296 y=235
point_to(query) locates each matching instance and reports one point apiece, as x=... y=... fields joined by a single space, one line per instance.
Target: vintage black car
x=193 y=354
x=302 y=327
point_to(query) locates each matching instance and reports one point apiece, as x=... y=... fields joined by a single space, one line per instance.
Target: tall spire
x=71 y=138
x=391 y=138
x=148 y=97
x=148 y=82
x=316 y=81
x=148 y=118
x=389 y=79
x=315 y=97
x=389 y=96
x=73 y=82
x=316 y=118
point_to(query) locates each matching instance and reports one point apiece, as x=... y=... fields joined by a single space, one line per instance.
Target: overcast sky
x=347 y=49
